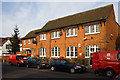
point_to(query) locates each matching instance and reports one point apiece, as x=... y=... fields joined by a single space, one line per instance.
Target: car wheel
x=109 y=73
x=10 y=63
x=72 y=70
x=27 y=65
x=52 y=68
x=18 y=64
x=38 y=66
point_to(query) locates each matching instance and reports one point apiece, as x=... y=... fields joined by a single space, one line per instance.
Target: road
x=13 y=71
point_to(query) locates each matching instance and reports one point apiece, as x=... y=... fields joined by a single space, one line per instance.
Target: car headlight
x=76 y=67
x=22 y=61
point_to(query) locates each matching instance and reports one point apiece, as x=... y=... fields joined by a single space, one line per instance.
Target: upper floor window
x=71 y=52
x=8 y=46
x=90 y=49
x=24 y=42
x=92 y=29
x=42 y=36
x=55 y=35
x=42 y=52
x=71 y=32
x=29 y=41
x=55 y=52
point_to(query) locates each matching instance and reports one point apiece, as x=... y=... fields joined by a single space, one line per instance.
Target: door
x=63 y=65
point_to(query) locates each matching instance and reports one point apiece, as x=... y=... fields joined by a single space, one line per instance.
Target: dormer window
x=93 y=29
x=55 y=35
x=42 y=36
x=29 y=41
x=71 y=32
x=24 y=42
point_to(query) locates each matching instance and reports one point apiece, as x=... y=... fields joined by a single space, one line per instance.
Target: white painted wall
x=4 y=50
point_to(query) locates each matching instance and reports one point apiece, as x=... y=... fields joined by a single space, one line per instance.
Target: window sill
x=71 y=57
x=55 y=38
x=42 y=56
x=91 y=33
x=55 y=56
x=72 y=36
x=87 y=57
x=42 y=39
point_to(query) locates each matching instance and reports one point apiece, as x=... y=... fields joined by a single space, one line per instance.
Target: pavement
x=89 y=69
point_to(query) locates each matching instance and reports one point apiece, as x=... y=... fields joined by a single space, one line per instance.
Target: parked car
x=34 y=62
x=107 y=62
x=63 y=64
x=19 y=60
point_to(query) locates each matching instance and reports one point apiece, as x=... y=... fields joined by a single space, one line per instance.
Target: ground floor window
x=55 y=52
x=89 y=52
x=42 y=52
x=90 y=49
x=71 y=52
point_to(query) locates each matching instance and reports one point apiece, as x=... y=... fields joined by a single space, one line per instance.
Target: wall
x=4 y=50
x=31 y=46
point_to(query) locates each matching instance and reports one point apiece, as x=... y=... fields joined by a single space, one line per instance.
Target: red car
x=17 y=60
x=106 y=61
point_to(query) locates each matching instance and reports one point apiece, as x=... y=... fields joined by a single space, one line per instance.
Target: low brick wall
x=5 y=58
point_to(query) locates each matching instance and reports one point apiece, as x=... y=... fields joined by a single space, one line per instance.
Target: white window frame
x=29 y=41
x=24 y=42
x=69 y=34
x=95 y=27
x=91 y=46
x=42 y=36
x=24 y=52
x=42 y=51
x=34 y=52
x=58 y=52
x=55 y=35
x=74 y=55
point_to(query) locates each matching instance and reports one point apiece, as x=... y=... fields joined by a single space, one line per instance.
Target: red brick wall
x=29 y=46
x=112 y=28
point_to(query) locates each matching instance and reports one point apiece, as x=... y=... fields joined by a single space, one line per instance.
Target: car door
x=57 y=64
x=33 y=62
x=63 y=64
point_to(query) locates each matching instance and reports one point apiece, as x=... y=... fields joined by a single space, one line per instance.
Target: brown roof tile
x=31 y=34
x=79 y=18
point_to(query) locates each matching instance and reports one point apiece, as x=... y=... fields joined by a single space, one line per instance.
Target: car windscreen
x=119 y=56
x=21 y=57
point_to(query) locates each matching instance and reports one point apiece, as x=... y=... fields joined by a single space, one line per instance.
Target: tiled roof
x=79 y=18
x=31 y=34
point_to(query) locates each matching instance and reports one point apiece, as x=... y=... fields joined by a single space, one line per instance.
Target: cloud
x=34 y=15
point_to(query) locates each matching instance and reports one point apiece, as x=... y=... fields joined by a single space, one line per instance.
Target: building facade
x=78 y=35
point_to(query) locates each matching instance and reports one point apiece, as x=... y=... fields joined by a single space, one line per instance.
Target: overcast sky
x=34 y=15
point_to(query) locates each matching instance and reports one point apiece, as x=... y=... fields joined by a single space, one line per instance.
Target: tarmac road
x=12 y=71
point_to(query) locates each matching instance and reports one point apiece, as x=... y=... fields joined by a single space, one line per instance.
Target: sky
x=32 y=15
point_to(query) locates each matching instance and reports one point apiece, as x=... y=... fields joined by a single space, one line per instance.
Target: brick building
x=77 y=36
x=29 y=43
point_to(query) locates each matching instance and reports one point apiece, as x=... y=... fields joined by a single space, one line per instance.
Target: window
x=55 y=52
x=119 y=56
x=42 y=52
x=71 y=32
x=24 y=52
x=34 y=52
x=90 y=49
x=71 y=52
x=43 y=37
x=8 y=46
x=24 y=42
x=92 y=29
x=29 y=41
x=55 y=35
